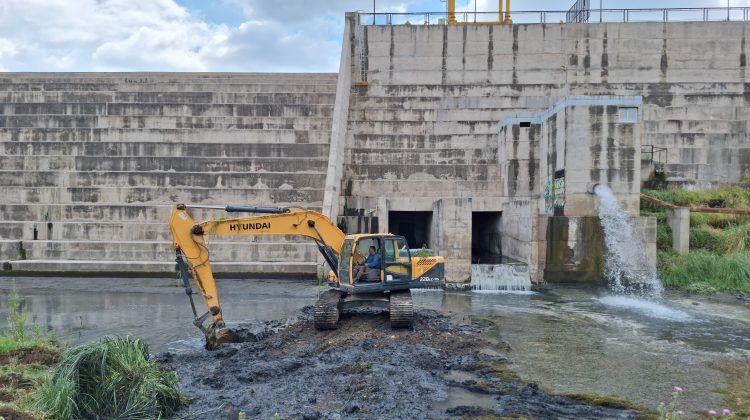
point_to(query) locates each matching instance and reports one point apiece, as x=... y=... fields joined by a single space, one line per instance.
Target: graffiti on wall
x=554 y=195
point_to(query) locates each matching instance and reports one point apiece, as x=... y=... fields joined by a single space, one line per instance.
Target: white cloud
x=123 y=35
x=7 y=48
x=268 y=35
x=60 y=35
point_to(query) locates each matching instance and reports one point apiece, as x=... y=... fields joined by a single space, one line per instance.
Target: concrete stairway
x=91 y=164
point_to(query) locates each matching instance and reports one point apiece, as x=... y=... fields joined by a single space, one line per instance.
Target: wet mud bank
x=442 y=368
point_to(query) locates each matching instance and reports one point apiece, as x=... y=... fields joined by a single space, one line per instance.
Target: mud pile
x=440 y=369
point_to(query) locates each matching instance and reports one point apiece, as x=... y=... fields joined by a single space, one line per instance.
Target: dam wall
x=467 y=139
x=427 y=100
x=92 y=163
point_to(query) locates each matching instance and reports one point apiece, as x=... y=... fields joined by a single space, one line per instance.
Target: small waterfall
x=626 y=265
x=512 y=277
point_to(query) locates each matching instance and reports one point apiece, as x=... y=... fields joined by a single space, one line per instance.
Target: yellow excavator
x=383 y=281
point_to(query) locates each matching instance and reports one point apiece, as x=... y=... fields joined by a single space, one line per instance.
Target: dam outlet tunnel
x=486 y=234
x=415 y=226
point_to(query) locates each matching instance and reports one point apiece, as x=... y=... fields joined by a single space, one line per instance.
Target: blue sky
x=210 y=35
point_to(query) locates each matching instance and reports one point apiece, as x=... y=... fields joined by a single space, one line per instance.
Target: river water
x=565 y=338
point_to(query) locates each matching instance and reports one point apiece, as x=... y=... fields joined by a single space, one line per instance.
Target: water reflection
x=81 y=310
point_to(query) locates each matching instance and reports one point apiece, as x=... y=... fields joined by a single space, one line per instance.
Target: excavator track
x=326 y=310
x=401 y=309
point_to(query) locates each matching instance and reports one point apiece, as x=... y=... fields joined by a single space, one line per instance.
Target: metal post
x=451 y=11
x=727 y=10
x=373 y=12
x=600 y=11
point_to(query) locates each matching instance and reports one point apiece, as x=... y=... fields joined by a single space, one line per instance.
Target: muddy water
x=564 y=338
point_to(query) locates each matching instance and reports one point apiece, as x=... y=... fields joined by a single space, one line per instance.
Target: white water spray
x=508 y=278
x=626 y=265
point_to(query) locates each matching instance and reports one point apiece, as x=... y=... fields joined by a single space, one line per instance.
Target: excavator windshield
x=345 y=258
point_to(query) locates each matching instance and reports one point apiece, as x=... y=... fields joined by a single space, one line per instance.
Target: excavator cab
x=386 y=286
x=395 y=260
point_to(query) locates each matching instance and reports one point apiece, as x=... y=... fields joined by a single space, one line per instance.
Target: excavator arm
x=193 y=258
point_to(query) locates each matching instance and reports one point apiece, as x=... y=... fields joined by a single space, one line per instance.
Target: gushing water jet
x=627 y=267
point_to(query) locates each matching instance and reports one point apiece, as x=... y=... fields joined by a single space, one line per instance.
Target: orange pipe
x=657 y=201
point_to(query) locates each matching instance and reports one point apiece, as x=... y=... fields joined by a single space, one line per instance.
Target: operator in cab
x=370 y=270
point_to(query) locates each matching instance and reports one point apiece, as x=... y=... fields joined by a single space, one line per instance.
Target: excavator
x=386 y=286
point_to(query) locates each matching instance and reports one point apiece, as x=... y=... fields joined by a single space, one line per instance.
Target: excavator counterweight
x=375 y=270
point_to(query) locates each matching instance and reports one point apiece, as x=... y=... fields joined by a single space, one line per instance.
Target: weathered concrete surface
x=575 y=247
x=425 y=100
x=679 y=221
x=413 y=118
x=363 y=370
x=339 y=123
x=550 y=159
x=93 y=162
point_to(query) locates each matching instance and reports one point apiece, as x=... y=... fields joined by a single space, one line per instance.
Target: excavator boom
x=384 y=278
x=193 y=255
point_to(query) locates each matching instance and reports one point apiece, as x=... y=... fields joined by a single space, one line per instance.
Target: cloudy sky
x=210 y=35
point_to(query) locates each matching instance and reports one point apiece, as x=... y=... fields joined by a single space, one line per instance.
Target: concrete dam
x=478 y=141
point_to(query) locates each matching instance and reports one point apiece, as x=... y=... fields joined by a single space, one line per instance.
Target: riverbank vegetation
x=719 y=258
x=26 y=355
x=110 y=378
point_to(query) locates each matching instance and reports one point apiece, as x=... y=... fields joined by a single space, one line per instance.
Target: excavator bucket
x=217 y=337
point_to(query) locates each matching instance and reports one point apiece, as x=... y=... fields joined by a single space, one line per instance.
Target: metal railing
x=579 y=12
x=656 y=154
x=687 y=14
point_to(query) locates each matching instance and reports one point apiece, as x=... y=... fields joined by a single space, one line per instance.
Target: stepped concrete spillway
x=477 y=141
x=93 y=163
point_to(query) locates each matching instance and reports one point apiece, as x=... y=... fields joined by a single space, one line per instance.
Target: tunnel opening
x=415 y=226
x=486 y=233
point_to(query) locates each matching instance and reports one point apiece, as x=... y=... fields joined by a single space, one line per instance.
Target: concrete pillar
x=382 y=213
x=679 y=221
x=338 y=129
x=453 y=237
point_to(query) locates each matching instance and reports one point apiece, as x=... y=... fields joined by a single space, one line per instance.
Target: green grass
x=18 y=335
x=719 y=258
x=729 y=197
x=736 y=240
x=716 y=220
x=110 y=378
x=707 y=239
x=8 y=345
x=21 y=374
x=704 y=270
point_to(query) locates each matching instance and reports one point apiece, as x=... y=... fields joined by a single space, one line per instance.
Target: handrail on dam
x=681 y=14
